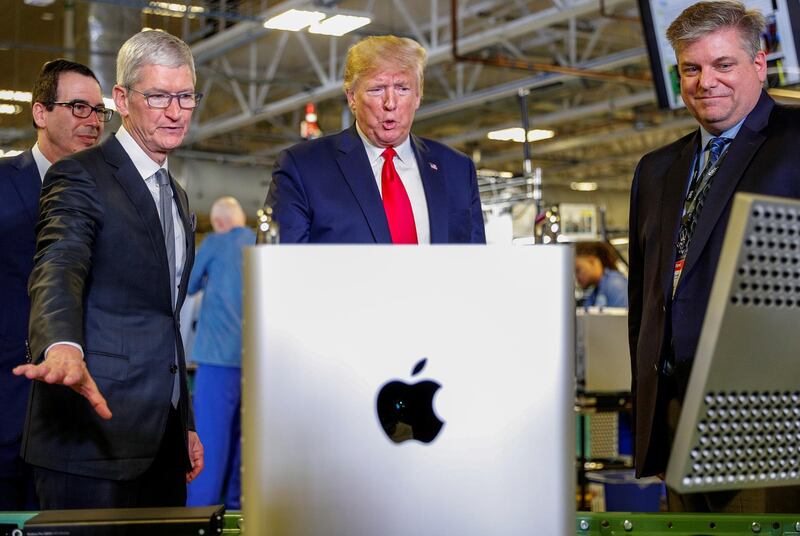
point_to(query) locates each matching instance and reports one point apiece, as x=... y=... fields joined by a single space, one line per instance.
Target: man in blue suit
x=69 y=115
x=375 y=182
x=680 y=203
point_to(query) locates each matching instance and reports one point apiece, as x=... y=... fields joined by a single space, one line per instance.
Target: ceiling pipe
x=515 y=63
x=621 y=18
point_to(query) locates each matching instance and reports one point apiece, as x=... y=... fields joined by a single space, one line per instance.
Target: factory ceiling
x=581 y=63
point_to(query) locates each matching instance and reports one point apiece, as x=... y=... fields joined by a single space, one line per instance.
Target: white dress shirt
x=406 y=164
x=147 y=167
x=42 y=163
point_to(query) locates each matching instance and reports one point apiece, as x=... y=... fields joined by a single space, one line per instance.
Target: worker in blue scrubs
x=218 y=353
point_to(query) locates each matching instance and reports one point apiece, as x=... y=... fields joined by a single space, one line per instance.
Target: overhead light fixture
x=583 y=186
x=294 y=20
x=171 y=9
x=517 y=134
x=784 y=93
x=339 y=25
x=39 y=3
x=487 y=173
x=10 y=152
x=10 y=109
x=15 y=96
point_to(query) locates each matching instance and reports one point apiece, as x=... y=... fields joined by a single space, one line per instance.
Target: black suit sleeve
x=69 y=217
x=635 y=276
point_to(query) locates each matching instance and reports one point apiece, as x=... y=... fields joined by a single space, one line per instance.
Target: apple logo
x=406 y=410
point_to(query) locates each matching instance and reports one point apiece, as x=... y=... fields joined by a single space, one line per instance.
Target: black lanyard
x=699 y=182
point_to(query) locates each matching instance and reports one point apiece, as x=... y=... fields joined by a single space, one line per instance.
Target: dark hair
x=45 y=89
x=604 y=252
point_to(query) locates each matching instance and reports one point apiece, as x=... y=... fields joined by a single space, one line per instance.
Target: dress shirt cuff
x=76 y=345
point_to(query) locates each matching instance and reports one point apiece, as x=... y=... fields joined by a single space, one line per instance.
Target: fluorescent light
x=583 y=186
x=170 y=9
x=539 y=134
x=294 y=20
x=484 y=172
x=10 y=109
x=507 y=134
x=784 y=93
x=15 y=96
x=177 y=8
x=339 y=25
x=10 y=152
x=109 y=103
x=517 y=134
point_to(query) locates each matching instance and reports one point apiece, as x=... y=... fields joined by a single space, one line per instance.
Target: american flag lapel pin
x=433 y=166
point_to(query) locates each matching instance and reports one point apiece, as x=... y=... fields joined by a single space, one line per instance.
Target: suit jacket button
x=173 y=368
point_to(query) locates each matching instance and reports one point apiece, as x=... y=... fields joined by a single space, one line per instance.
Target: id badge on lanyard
x=689 y=207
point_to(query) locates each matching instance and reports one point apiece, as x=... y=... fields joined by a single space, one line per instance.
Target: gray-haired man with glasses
x=59 y=133
x=114 y=250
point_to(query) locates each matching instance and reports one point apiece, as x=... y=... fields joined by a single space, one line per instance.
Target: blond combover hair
x=704 y=18
x=380 y=52
x=151 y=47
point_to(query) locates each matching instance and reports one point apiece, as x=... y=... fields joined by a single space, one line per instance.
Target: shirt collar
x=705 y=136
x=145 y=165
x=404 y=151
x=42 y=163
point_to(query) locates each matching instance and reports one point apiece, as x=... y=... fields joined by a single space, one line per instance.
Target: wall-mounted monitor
x=781 y=42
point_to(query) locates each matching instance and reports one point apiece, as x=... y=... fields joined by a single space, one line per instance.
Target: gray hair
x=228 y=209
x=151 y=47
x=378 y=51
x=703 y=18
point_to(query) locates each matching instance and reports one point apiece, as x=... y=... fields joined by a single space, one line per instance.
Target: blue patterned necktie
x=698 y=190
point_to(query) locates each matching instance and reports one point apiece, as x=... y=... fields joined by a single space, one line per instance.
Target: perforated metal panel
x=740 y=425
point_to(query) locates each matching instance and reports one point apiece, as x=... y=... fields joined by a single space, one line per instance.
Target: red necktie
x=396 y=203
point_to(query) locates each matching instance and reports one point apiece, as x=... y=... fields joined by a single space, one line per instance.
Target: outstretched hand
x=64 y=365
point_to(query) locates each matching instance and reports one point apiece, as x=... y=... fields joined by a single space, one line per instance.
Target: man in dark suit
x=68 y=114
x=114 y=249
x=374 y=182
x=680 y=203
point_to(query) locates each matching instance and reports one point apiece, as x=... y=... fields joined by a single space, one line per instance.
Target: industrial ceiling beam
x=438 y=55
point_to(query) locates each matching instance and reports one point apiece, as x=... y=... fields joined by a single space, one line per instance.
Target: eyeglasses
x=82 y=110
x=160 y=101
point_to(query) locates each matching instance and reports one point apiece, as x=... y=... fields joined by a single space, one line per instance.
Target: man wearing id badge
x=680 y=202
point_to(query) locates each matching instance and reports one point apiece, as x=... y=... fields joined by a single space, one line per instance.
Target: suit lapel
x=28 y=184
x=435 y=191
x=134 y=186
x=183 y=211
x=357 y=172
x=675 y=182
x=740 y=152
